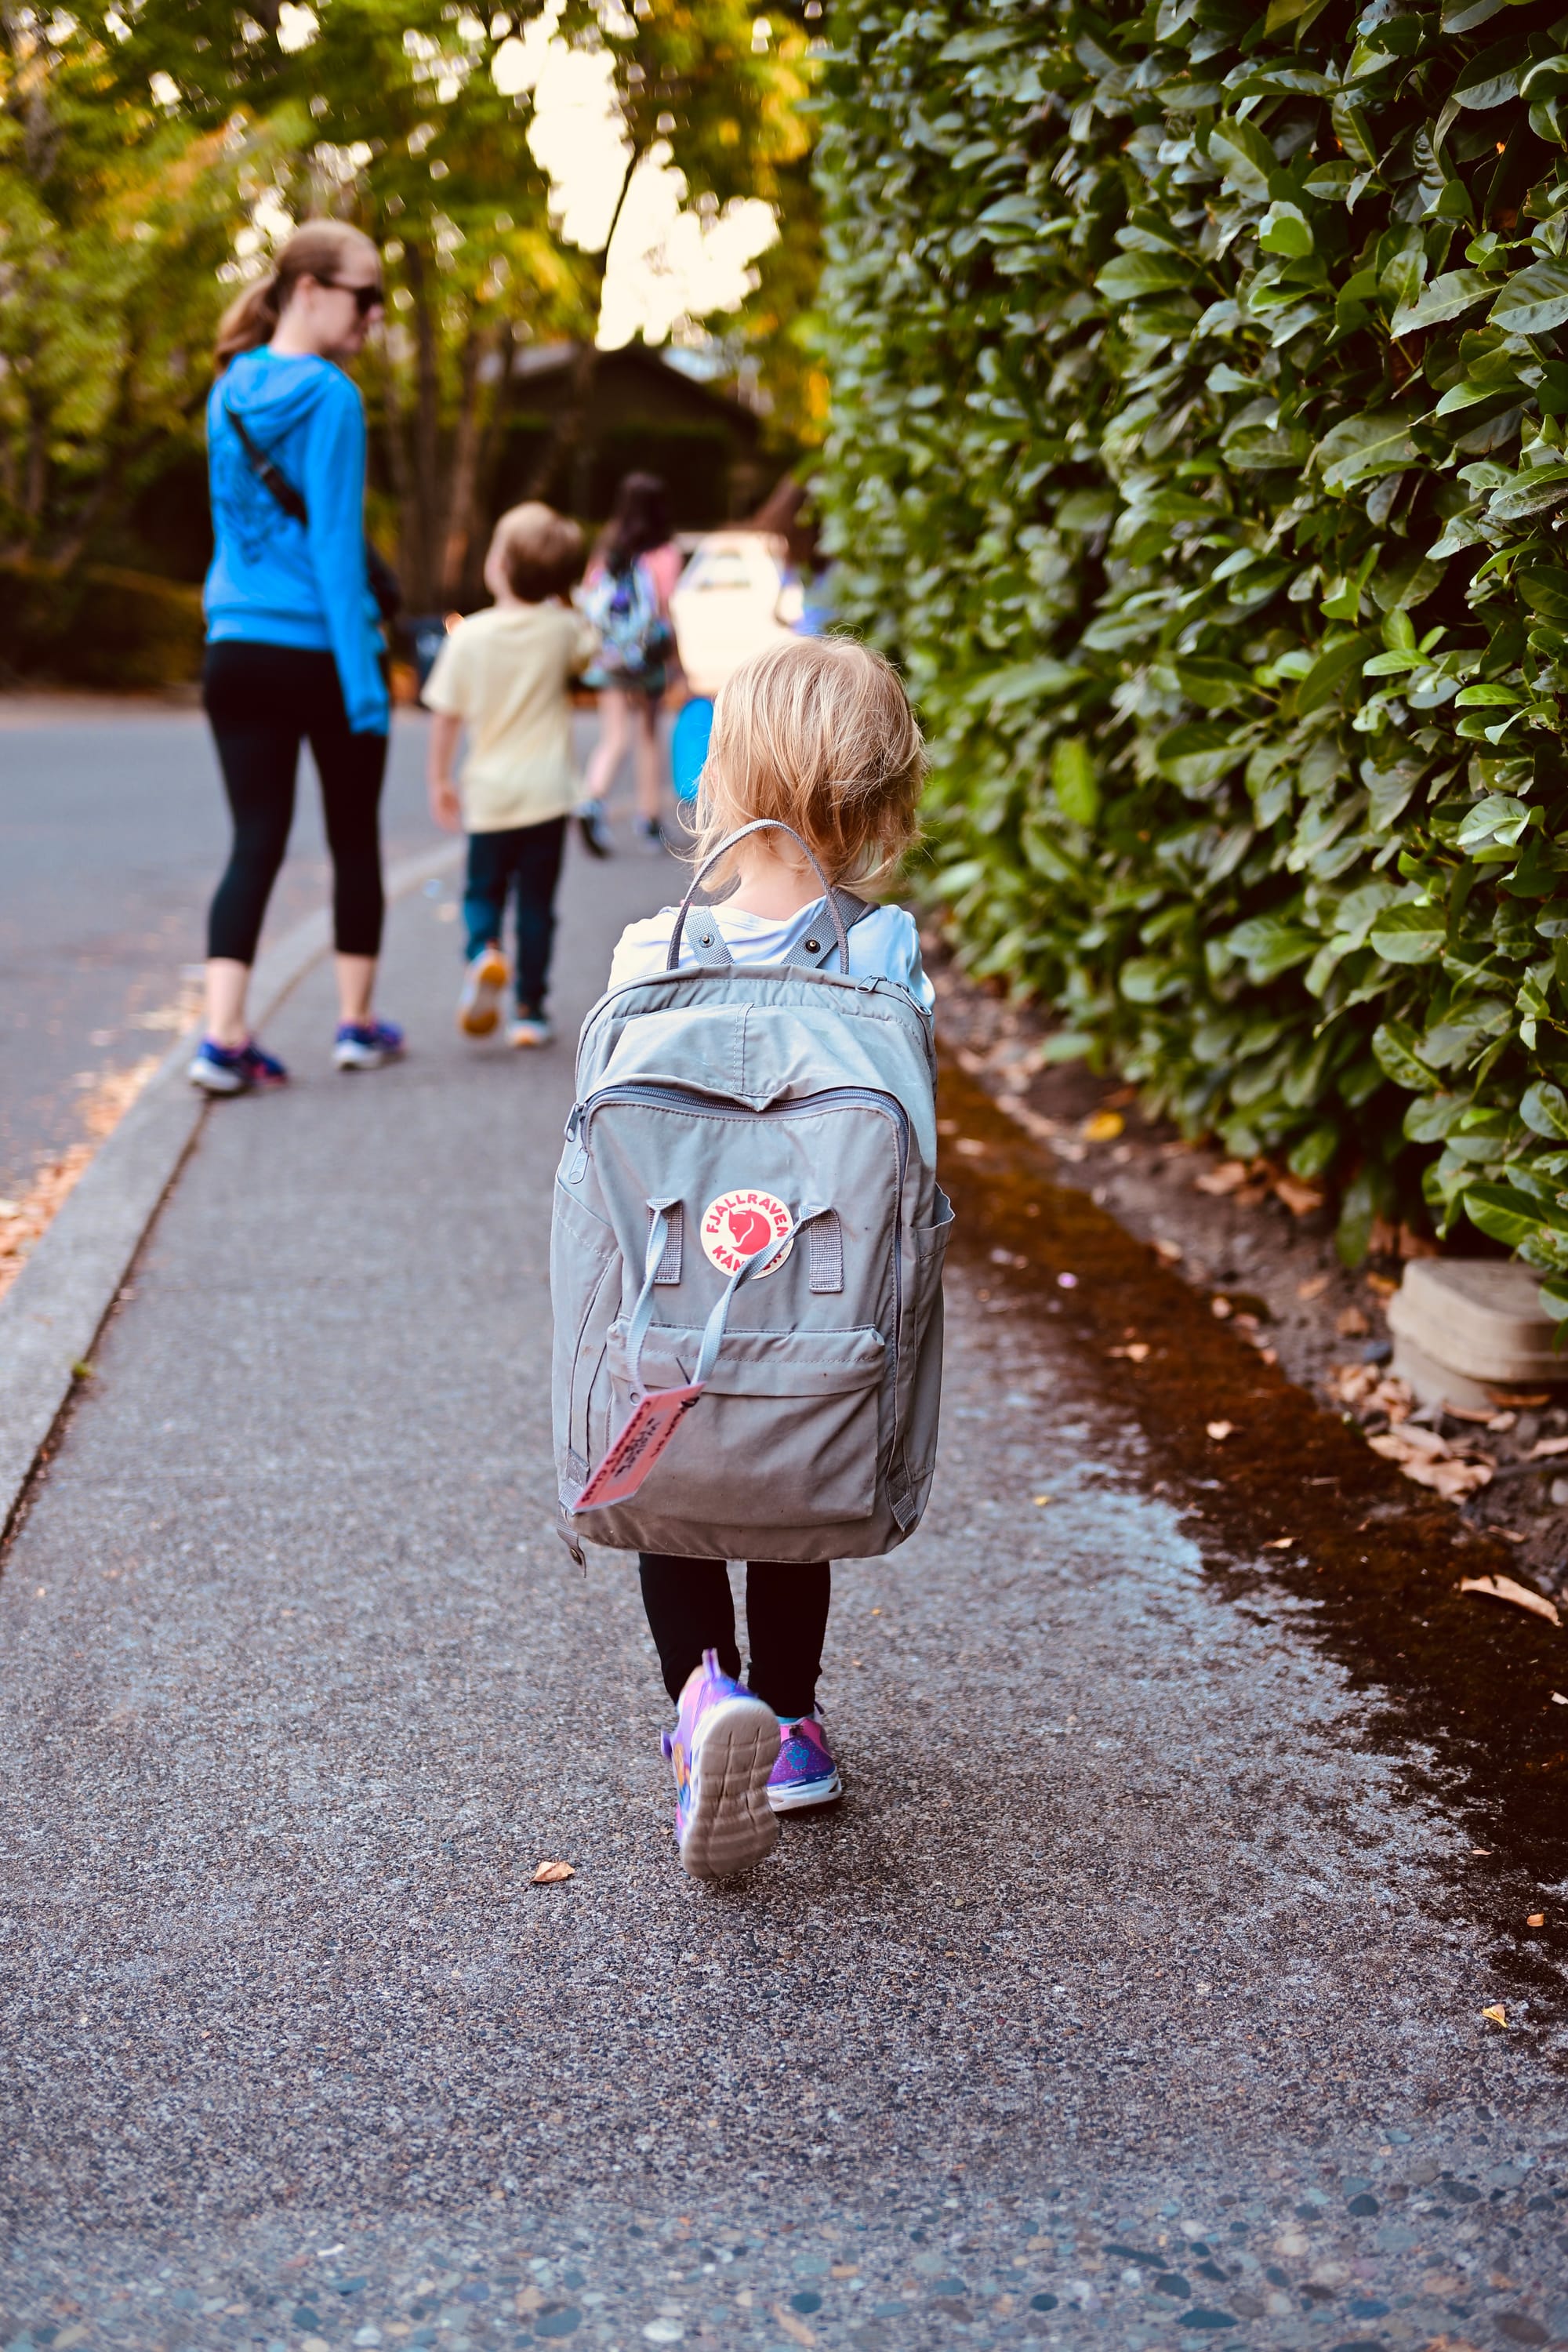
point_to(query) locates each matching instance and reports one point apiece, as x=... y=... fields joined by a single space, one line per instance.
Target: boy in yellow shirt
x=505 y=675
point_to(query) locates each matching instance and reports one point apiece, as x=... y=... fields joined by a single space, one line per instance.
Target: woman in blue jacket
x=293 y=648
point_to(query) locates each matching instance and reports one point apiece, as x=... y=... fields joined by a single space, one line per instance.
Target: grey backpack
x=746 y=1255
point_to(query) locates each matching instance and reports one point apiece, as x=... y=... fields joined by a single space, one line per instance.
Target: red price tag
x=637 y=1448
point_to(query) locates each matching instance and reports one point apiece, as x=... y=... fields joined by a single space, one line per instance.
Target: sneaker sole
x=731 y=1825
x=362 y=1057
x=478 y=1014
x=218 y=1082
x=806 y=1795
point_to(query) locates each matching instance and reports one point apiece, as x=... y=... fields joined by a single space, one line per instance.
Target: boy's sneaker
x=234 y=1069
x=594 y=830
x=724 y=1745
x=484 y=983
x=805 y=1773
x=530 y=1029
x=366 y=1044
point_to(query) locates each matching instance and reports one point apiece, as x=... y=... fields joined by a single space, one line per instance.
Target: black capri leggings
x=261 y=700
x=689 y=1610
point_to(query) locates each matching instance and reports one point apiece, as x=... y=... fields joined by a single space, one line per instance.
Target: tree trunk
x=426 y=433
x=483 y=495
x=461 y=481
x=395 y=428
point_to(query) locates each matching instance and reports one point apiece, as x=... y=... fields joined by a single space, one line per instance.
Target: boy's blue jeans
x=523 y=864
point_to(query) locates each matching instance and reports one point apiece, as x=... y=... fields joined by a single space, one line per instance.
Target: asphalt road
x=1133 y=1998
x=112 y=835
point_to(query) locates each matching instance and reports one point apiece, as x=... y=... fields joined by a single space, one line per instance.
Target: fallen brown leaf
x=1504 y=1588
x=1430 y=1461
x=1352 y=1324
x=1497 y=2013
x=551 y=1873
x=1299 y=1197
x=1315 y=1287
x=1220 y=1430
x=1382 y=1284
x=1536 y=1919
x=1228 y=1177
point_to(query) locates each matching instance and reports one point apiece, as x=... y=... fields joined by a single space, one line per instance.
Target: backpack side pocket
x=586 y=1295
x=921 y=1368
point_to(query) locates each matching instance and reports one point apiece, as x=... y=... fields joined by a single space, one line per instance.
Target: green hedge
x=99 y=626
x=1201 y=446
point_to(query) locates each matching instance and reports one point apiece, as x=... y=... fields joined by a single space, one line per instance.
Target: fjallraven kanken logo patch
x=737 y=1225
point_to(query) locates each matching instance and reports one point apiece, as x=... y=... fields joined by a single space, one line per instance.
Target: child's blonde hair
x=819 y=733
x=539 y=551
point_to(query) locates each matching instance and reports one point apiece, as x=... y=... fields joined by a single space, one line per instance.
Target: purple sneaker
x=235 y=1069
x=366 y=1044
x=723 y=1747
x=804 y=1772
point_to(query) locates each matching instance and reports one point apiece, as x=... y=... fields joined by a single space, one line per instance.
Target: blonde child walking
x=505 y=675
x=795 y=1438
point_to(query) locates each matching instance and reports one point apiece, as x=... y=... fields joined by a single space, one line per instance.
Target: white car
x=736 y=595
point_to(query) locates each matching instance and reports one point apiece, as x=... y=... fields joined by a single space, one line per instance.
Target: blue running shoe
x=724 y=1745
x=805 y=1773
x=366 y=1044
x=235 y=1069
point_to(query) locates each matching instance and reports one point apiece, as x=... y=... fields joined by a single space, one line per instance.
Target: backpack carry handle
x=759 y=824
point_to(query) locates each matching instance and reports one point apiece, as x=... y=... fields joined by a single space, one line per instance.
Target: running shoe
x=366 y=1044
x=484 y=983
x=650 y=833
x=235 y=1069
x=530 y=1029
x=594 y=830
x=805 y=1773
x=724 y=1745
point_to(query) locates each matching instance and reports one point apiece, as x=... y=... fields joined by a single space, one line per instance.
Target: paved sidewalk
x=1131 y=1997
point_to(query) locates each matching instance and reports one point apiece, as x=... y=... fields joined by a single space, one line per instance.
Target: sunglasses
x=366 y=298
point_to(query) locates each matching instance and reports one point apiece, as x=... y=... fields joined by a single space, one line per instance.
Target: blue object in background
x=689 y=746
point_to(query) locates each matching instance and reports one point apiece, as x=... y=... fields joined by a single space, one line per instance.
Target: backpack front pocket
x=786 y=1432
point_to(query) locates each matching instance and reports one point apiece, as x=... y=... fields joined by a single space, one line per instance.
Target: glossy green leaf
x=1544 y=1110
x=1409 y=934
x=1534 y=302
x=1363 y=448
x=1447 y=296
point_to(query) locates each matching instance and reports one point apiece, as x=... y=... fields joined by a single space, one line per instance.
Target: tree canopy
x=152 y=151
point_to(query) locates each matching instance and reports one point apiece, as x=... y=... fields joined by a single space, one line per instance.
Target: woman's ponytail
x=318 y=249
x=248 y=322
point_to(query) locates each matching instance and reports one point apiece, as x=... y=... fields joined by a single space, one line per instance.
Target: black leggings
x=261 y=701
x=689 y=1610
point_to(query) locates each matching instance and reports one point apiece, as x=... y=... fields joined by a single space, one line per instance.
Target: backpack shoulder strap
x=819 y=953
x=706 y=941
